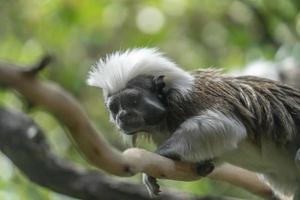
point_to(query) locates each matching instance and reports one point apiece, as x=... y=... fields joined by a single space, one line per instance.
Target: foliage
x=194 y=33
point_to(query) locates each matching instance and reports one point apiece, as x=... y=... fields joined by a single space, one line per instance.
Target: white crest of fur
x=114 y=71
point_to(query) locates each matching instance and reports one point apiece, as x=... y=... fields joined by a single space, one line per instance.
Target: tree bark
x=24 y=143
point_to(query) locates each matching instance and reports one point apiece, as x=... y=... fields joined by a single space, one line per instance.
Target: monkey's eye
x=113 y=107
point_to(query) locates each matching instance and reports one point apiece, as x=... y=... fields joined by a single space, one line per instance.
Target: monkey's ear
x=159 y=84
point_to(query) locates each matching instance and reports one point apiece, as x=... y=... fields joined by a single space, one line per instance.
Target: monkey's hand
x=203 y=168
x=151 y=185
x=151 y=182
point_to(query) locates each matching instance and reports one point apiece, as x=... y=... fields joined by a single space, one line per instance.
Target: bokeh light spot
x=150 y=20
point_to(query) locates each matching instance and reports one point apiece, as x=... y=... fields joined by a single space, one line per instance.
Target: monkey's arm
x=198 y=140
x=204 y=137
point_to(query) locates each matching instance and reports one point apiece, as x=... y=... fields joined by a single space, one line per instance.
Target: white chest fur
x=275 y=164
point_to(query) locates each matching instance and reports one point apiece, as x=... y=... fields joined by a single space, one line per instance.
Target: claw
x=151 y=185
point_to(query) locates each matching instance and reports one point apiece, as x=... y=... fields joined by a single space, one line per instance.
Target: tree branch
x=24 y=143
x=35 y=69
x=99 y=152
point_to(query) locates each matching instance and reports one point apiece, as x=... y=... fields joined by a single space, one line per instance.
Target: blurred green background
x=206 y=33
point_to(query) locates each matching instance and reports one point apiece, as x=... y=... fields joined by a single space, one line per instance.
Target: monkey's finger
x=151 y=185
x=151 y=188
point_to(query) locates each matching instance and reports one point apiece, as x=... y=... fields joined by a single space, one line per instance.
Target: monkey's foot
x=205 y=167
x=151 y=185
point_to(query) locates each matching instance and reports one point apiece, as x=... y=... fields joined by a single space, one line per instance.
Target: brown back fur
x=262 y=105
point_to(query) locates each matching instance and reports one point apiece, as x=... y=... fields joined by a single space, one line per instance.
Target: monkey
x=204 y=116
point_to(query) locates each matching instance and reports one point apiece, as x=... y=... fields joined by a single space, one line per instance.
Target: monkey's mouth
x=130 y=132
x=131 y=128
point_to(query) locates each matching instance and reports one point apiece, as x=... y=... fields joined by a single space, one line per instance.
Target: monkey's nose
x=126 y=116
x=129 y=122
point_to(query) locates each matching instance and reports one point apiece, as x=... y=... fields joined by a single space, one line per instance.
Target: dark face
x=139 y=106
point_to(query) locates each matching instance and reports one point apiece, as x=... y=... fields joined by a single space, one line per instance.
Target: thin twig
x=35 y=69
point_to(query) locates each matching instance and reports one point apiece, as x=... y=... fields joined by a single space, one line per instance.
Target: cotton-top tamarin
x=204 y=116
